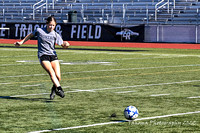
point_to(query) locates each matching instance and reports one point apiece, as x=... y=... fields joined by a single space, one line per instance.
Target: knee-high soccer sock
x=54 y=87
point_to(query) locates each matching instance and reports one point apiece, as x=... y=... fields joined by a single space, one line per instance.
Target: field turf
x=164 y=84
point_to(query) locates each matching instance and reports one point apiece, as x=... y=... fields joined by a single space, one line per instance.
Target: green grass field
x=99 y=82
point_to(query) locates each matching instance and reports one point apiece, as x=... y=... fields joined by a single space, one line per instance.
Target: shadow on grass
x=27 y=99
x=119 y=120
x=196 y=85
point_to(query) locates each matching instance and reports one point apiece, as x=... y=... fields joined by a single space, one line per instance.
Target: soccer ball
x=131 y=112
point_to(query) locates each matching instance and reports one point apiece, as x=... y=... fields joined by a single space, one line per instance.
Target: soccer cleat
x=60 y=92
x=53 y=93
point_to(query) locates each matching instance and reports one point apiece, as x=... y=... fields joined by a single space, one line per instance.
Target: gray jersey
x=47 y=41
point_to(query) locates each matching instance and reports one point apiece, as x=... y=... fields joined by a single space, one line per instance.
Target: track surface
x=118 y=44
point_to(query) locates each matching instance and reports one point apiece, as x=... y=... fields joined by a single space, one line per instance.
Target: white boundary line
x=105 y=70
x=146 y=85
x=17 y=56
x=100 y=89
x=194 y=97
x=75 y=63
x=30 y=95
x=102 y=52
x=5 y=83
x=31 y=85
x=122 y=92
x=20 y=64
x=115 y=122
x=157 y=95
x=14 y=49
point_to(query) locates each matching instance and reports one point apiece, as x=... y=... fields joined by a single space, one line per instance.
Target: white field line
x=85 y=63
x=101 y=52
x=106 y=70
x=77 y=63
x=30 y=95
x=28 y=61
x=194 y=97
x=17 y=49
x=77 y=90
x=121 y=92
x=22 y=63
x=5 y=83
x=18 y=76
x=65 y=87
x=157 y=95
x=126 y=53
x=30 y=85
x=17 y=56
x=146 y=85
x=100 y=89
x=116 y=122
x=141 y=58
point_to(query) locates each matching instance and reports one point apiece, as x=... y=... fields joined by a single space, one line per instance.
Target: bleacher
x=101 y=11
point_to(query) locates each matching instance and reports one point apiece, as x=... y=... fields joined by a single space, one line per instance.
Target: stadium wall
x=78 y=32
x=172 y=33
x=109 y=33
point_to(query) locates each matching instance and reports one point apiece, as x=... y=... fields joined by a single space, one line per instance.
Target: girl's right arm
x=29 y=36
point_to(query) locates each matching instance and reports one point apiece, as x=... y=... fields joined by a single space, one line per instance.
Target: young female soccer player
x=47 y=38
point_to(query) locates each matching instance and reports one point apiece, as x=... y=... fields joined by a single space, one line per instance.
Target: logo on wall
x=127 y=33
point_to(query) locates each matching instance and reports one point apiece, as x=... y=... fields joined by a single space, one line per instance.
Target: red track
x=117 y=44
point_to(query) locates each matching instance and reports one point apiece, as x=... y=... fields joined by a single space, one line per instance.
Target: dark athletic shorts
x=49 y=58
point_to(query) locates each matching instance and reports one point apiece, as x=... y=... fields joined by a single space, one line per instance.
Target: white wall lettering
x=85 y=31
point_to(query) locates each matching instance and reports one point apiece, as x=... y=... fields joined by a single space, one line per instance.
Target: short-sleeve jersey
x=47 y=41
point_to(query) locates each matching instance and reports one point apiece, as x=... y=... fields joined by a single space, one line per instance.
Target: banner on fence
x=77 y=32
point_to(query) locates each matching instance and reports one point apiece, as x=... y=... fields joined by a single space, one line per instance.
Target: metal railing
x=162 y=4
x=41 y=4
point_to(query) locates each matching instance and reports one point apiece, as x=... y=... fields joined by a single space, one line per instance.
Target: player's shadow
x=115 y=118
x=196 y=85
x=26 y=99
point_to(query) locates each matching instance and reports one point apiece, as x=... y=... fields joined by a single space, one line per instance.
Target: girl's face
x=51 y=26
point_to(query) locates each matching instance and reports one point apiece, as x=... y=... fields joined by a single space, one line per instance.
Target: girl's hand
x=65 y=44
x=29 y=36
x=17 y=44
